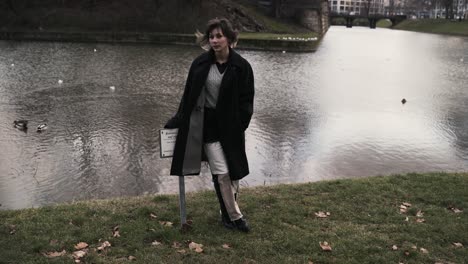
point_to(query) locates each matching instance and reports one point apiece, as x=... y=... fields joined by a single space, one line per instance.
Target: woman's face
x=218 y=41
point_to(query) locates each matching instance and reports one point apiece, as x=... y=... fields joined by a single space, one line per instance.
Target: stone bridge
x=373 y=18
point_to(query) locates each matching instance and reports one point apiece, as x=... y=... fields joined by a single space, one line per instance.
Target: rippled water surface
x=335 y=113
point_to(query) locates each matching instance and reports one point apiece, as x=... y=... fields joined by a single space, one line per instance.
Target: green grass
x=439 y=26
x=384 y=23
x=364 y=224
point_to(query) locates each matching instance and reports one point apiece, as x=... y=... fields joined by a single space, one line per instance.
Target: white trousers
x=228 y=189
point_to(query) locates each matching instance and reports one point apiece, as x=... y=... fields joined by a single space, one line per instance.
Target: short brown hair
x=226 y=28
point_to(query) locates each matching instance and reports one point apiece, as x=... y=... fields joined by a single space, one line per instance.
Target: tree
x=367 y=6
x=278 y=7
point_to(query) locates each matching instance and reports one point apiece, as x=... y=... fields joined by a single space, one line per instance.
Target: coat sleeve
x=176 y=120
x=246 y=97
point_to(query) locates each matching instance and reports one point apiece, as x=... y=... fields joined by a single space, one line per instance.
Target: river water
x=335 y=113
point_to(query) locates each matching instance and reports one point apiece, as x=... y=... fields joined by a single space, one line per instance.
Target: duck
x=21 y=124
x=41 y=127
x=403 y=101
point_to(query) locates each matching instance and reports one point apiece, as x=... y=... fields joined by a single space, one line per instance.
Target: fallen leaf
x=197 y=247
x=394 y=247
x=81 y=245
x=116 y=234
x=406 y=219
x=420 y=220
x=156 y=243
x=325 y=246
x=12 y=229
x=166 y=223
x=456 y=210
x=310 y=262
x=55 y=254
x=131 y=258
x=79 y=254
x=419 y=214
x=53 y=242
x=458 y=245
x=153 y=216
x=182 y=251
x=321 y=214
x=414 y=247
x=104 y=245
x=226 y=246
x=406 y=204
x=406 y=253
x=403 y=209
x=424 y=251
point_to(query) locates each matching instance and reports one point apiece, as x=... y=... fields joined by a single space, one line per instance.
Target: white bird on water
x=112 y=88
x=41 y=127
x=60 y=81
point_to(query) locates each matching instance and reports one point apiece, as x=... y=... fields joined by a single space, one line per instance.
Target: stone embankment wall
x=312 y=14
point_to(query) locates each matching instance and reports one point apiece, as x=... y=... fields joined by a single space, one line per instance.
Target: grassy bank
x=367 y=223
x=438 y=26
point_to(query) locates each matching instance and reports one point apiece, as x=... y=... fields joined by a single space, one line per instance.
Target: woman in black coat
x=214 y=112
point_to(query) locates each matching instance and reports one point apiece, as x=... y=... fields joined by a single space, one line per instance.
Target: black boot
x=241 y=225
x=225 y=219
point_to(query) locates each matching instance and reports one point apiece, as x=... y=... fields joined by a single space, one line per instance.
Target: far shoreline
x=253 y=41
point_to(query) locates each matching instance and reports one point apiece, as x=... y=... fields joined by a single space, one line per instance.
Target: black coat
x=234 y=110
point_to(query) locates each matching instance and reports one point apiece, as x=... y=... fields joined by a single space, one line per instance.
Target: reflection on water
x=334 y=113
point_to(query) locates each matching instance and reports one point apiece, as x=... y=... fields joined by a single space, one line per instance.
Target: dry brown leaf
x=457 y=245
x=153 y=216
x=182 y=251
x=325 y=246
x=79 y=254
x=456 y=210
x=116 y=234
x=414 y=247
x=424 y=251
x=156 y=243
x=12 y=229
x=104 y=245
x=226 y=246
x=310 y=262
x=394 y=247
x=406 y=204
x=406 y=253
x=81 y=245
x=55 y=254
x=406 y=219
x=166 y=223
x=53 y=242
x=420 y=220
x=197 y=247
x=403 y=209
x=131 y=258
x=420 y=213
x=321 y=214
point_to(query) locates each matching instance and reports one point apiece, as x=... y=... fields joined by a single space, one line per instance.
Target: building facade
x=460 y=10
x=357 y=7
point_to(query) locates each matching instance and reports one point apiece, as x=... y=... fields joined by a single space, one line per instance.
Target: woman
x=214 y=112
